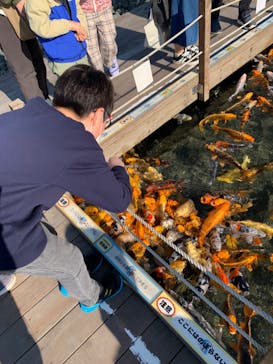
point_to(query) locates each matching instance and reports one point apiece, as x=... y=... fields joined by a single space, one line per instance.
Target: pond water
x=183 y=147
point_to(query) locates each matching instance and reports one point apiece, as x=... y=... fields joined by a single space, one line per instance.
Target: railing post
x=204 y=47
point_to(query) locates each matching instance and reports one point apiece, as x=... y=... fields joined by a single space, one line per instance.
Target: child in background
x=101 y=45
x=61 y=30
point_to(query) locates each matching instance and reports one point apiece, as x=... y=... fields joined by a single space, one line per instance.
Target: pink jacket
x=95 y=6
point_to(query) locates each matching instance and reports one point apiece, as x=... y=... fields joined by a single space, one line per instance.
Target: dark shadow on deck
x=14 y=335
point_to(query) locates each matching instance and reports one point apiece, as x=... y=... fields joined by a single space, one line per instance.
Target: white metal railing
x=170 y=76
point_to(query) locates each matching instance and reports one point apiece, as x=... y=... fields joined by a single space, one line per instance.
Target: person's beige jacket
x=19 y=23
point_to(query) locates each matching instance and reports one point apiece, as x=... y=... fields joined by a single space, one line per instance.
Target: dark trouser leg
x=19 y=60
x=215 y=24
x=244 y=10
x=38 y=63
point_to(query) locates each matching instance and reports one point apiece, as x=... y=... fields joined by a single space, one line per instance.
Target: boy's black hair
x=83 y=89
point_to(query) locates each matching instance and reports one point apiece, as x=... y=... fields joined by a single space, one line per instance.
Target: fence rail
x=201 y=61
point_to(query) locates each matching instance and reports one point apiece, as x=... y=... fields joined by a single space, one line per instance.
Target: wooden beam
x=240 y=52
x=130 y=131
x=204 y=47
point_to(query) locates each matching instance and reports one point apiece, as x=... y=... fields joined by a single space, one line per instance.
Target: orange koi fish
x=244 y=348
x=264 y=103
x=270 y=55
x=259 y=80
x=229 y=311
x=243 y=259
x=246 y=114
x=239 y=281
x=216 y=118
x=254 y=171
x=235 y=134
x=216 y=216
x=244 y=99
x=222 y=155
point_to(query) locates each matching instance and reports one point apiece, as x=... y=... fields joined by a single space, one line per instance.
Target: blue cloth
x=183 y=12
x=64 y=48
x=43 y=154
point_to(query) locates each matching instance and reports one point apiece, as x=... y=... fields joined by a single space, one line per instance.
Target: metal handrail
x=189 y=285
x=182 y=66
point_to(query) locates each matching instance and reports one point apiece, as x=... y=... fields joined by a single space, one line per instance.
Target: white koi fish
x=239 y=87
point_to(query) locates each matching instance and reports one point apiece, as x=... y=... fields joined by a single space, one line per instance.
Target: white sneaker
x=114 y=68
x=7 y=281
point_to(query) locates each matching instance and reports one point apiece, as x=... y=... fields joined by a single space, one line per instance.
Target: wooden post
x=204 y=47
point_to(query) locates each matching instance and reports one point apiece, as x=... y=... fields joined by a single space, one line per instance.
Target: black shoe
x=247 y=24
x=216 y=31
x=94 y=262
x=111 y=287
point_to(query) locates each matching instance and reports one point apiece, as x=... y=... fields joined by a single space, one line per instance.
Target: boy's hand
x=115 y=161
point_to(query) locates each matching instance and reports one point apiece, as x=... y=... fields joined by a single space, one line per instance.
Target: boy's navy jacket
x=43 y=154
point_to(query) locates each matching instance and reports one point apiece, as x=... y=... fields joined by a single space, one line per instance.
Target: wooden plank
x=71 y=332
x=242 y=51
x=185 y=356
x=34 y=324
x=204 y=47
x=158 y=341
x=133 y=317
x=20 y=278
x=133 y=130
x=20 y=301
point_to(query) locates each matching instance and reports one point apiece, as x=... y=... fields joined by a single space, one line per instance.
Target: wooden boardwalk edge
x=161 y=107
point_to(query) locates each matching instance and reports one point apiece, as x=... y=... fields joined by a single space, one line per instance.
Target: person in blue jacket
x=44 y=152
x=183 y=12
x=61 y=29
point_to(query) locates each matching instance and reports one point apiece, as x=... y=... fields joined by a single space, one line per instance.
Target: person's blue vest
x=64 y=48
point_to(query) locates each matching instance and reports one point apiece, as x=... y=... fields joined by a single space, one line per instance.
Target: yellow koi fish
x=235 y=134
x=216 y=118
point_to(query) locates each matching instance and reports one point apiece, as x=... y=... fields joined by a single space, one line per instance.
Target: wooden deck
x=37 y=324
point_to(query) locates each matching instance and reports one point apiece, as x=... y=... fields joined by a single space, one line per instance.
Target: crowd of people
x=47 y=149
x=66 y=32
x=171 y=16
x=83 y=32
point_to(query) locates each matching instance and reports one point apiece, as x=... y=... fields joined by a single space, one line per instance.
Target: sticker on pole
x=165 y=306
x=63 y=202
x=189 y=330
